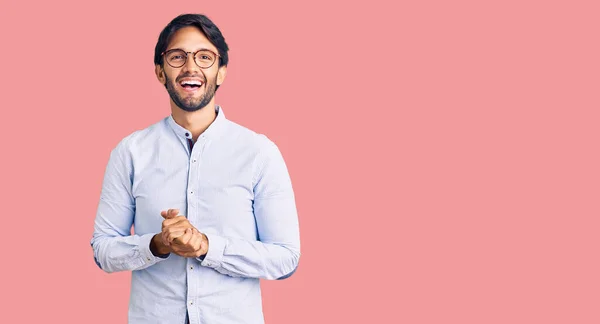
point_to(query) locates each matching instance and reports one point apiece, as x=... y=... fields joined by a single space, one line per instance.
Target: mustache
x=189 y=75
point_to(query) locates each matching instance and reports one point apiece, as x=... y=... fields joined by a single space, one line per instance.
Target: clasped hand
x=181 y=237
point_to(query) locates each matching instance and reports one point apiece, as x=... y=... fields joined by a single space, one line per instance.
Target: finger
x=175 y=234
x=169 y=234
x=163 y=237
x=180 y=221
x=185 y=238
x=181 y=249
x=165 y=213
x=180 y=226
x=170 y=213
x=170 y=221
x=194 y=242
x=177 y=230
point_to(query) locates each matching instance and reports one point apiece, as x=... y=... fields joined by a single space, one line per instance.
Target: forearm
x=115 y=249
x=251 y=259
x=275 y=252
x=123 y=253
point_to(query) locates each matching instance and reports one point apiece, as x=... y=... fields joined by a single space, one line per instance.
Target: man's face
x=182 y=82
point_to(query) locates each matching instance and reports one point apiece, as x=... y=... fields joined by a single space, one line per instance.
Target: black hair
x=206 y=26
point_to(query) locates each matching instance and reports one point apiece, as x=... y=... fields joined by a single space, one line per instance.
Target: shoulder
x=249 y=138
x=256 y=146
x=139 y=139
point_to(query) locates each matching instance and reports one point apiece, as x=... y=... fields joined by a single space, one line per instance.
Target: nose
x=190 y=65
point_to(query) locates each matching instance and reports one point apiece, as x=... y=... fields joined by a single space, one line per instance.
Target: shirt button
x=191 y=192
x=187 y=134
x=191 y=303
x=194 y=160
x=191 y=267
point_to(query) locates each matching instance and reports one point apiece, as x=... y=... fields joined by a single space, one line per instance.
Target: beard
x=191 y=103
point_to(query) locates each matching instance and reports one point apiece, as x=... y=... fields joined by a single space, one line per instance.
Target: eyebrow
x=178 y=48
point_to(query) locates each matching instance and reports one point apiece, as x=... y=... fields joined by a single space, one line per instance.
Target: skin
x=191 y=39
x=178 y=235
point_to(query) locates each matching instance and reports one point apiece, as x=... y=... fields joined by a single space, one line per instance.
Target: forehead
x=190 y=39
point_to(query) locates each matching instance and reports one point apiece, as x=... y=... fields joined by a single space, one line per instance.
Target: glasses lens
x=176 y=58
x=205 y=59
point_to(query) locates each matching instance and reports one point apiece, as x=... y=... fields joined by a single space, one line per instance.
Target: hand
x=157 y=247
x=181 y=237
x=191 y=244
x=173 y=226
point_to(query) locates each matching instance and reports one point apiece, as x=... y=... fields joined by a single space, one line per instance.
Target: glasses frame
x=187 y=56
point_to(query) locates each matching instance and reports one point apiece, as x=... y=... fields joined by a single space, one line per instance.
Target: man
x=211 y=202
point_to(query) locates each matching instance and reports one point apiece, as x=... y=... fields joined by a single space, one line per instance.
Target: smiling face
x=190 y=87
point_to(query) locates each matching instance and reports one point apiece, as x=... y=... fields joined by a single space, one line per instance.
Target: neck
x=196 y=121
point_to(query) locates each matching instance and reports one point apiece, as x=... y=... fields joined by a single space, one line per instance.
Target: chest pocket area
x=225 y=188
x=226 y=198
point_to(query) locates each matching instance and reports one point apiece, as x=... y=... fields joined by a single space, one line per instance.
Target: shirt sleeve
x=276 y=254
x=115 y=249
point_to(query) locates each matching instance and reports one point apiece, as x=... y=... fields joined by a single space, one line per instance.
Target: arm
x=277 y=253
x=115 y=249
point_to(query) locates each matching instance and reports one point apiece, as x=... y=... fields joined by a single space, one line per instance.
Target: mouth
x=191 y=85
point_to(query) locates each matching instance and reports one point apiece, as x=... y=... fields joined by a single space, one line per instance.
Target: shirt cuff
x=145 y=253
x=216 y=249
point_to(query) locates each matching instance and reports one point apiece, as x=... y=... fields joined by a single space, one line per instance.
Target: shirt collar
x=213 y=130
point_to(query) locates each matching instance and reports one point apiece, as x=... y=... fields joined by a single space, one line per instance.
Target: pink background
x=444 y=154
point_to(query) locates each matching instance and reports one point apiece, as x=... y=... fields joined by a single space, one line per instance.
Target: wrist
x=203 y=250
x=200 y=254
x=157 y=247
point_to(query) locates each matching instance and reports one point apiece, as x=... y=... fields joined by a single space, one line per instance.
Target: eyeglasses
x=204 y=58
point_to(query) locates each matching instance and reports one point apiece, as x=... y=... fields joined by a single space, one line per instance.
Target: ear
x=221 y=74
x=160 y=74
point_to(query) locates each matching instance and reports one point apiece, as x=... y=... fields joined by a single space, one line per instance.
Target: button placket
x=192 y=174
x=195 y=165
x=192 y=192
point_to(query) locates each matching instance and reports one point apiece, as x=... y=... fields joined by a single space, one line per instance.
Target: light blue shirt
x=233 y=185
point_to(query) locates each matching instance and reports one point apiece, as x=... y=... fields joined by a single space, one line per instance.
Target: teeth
x=191 y=82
